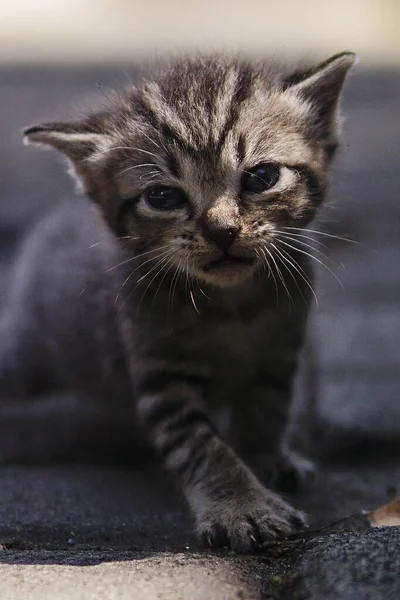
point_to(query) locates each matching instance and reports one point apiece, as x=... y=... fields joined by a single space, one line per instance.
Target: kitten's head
x=208 y=160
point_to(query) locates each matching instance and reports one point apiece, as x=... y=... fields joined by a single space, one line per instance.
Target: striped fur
x=196 y=335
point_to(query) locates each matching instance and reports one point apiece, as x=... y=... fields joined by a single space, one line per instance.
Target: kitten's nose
x=222 y=237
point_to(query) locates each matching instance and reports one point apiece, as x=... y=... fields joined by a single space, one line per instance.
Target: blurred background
x=110 y=31
x=57 y=56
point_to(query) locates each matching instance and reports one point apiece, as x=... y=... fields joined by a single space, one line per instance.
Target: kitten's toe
x=278 y=522
x=245 y=525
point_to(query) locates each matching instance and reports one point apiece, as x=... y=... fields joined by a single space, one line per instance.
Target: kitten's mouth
x=227 y=264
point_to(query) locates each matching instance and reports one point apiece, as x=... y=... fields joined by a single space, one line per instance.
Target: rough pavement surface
x=89 y=528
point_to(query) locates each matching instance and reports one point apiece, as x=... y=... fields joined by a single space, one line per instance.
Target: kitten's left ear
x=321 y=87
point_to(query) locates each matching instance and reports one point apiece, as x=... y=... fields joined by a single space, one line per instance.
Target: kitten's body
x=234 y=334
x=203 y=318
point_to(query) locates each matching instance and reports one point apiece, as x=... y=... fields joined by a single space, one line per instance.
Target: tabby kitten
x=194 y=295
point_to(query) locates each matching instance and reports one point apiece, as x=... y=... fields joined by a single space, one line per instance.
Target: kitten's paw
x=293 y=472
x=246 y=521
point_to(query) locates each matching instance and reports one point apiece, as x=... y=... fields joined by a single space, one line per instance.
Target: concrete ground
x=95 y=525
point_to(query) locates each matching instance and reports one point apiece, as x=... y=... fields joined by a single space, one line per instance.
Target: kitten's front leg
x=230 y=506
x=259 y=423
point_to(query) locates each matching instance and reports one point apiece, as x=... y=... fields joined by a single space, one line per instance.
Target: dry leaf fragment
x=387 y=515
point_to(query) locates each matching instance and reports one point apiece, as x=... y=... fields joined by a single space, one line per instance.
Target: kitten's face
x=216 y=211
x=204 y=167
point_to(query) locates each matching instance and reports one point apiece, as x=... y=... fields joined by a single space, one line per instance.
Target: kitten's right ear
x=85 y=144
x=75 y=140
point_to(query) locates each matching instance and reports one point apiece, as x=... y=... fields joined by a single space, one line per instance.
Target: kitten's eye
x=261 y=178
x=165 y=198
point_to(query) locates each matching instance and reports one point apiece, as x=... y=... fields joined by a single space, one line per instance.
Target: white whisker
x=136 y=257
x=135 y=270
x=193 y=302
x=203 y=292
x=122 y=237
x=306 y=245
x=135 y=167
x=323 y=233
x=279 y=273
x=167 y=252
x=171 y=298
x=151 y=140
x=315 y=258
x=188 y=283
x=252 y=174
x=270 y=271
x=280 y=257
x=145 y=152
x=299 y=235
x=285 y=256
x=300 y=271
x=163 y=263
x=171 y=260
x=174 y=284
x=176 y=281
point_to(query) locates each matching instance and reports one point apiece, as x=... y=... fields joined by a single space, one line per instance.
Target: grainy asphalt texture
x=80 y=528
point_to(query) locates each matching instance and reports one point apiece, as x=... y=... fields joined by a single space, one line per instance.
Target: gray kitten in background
x=185 y=288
